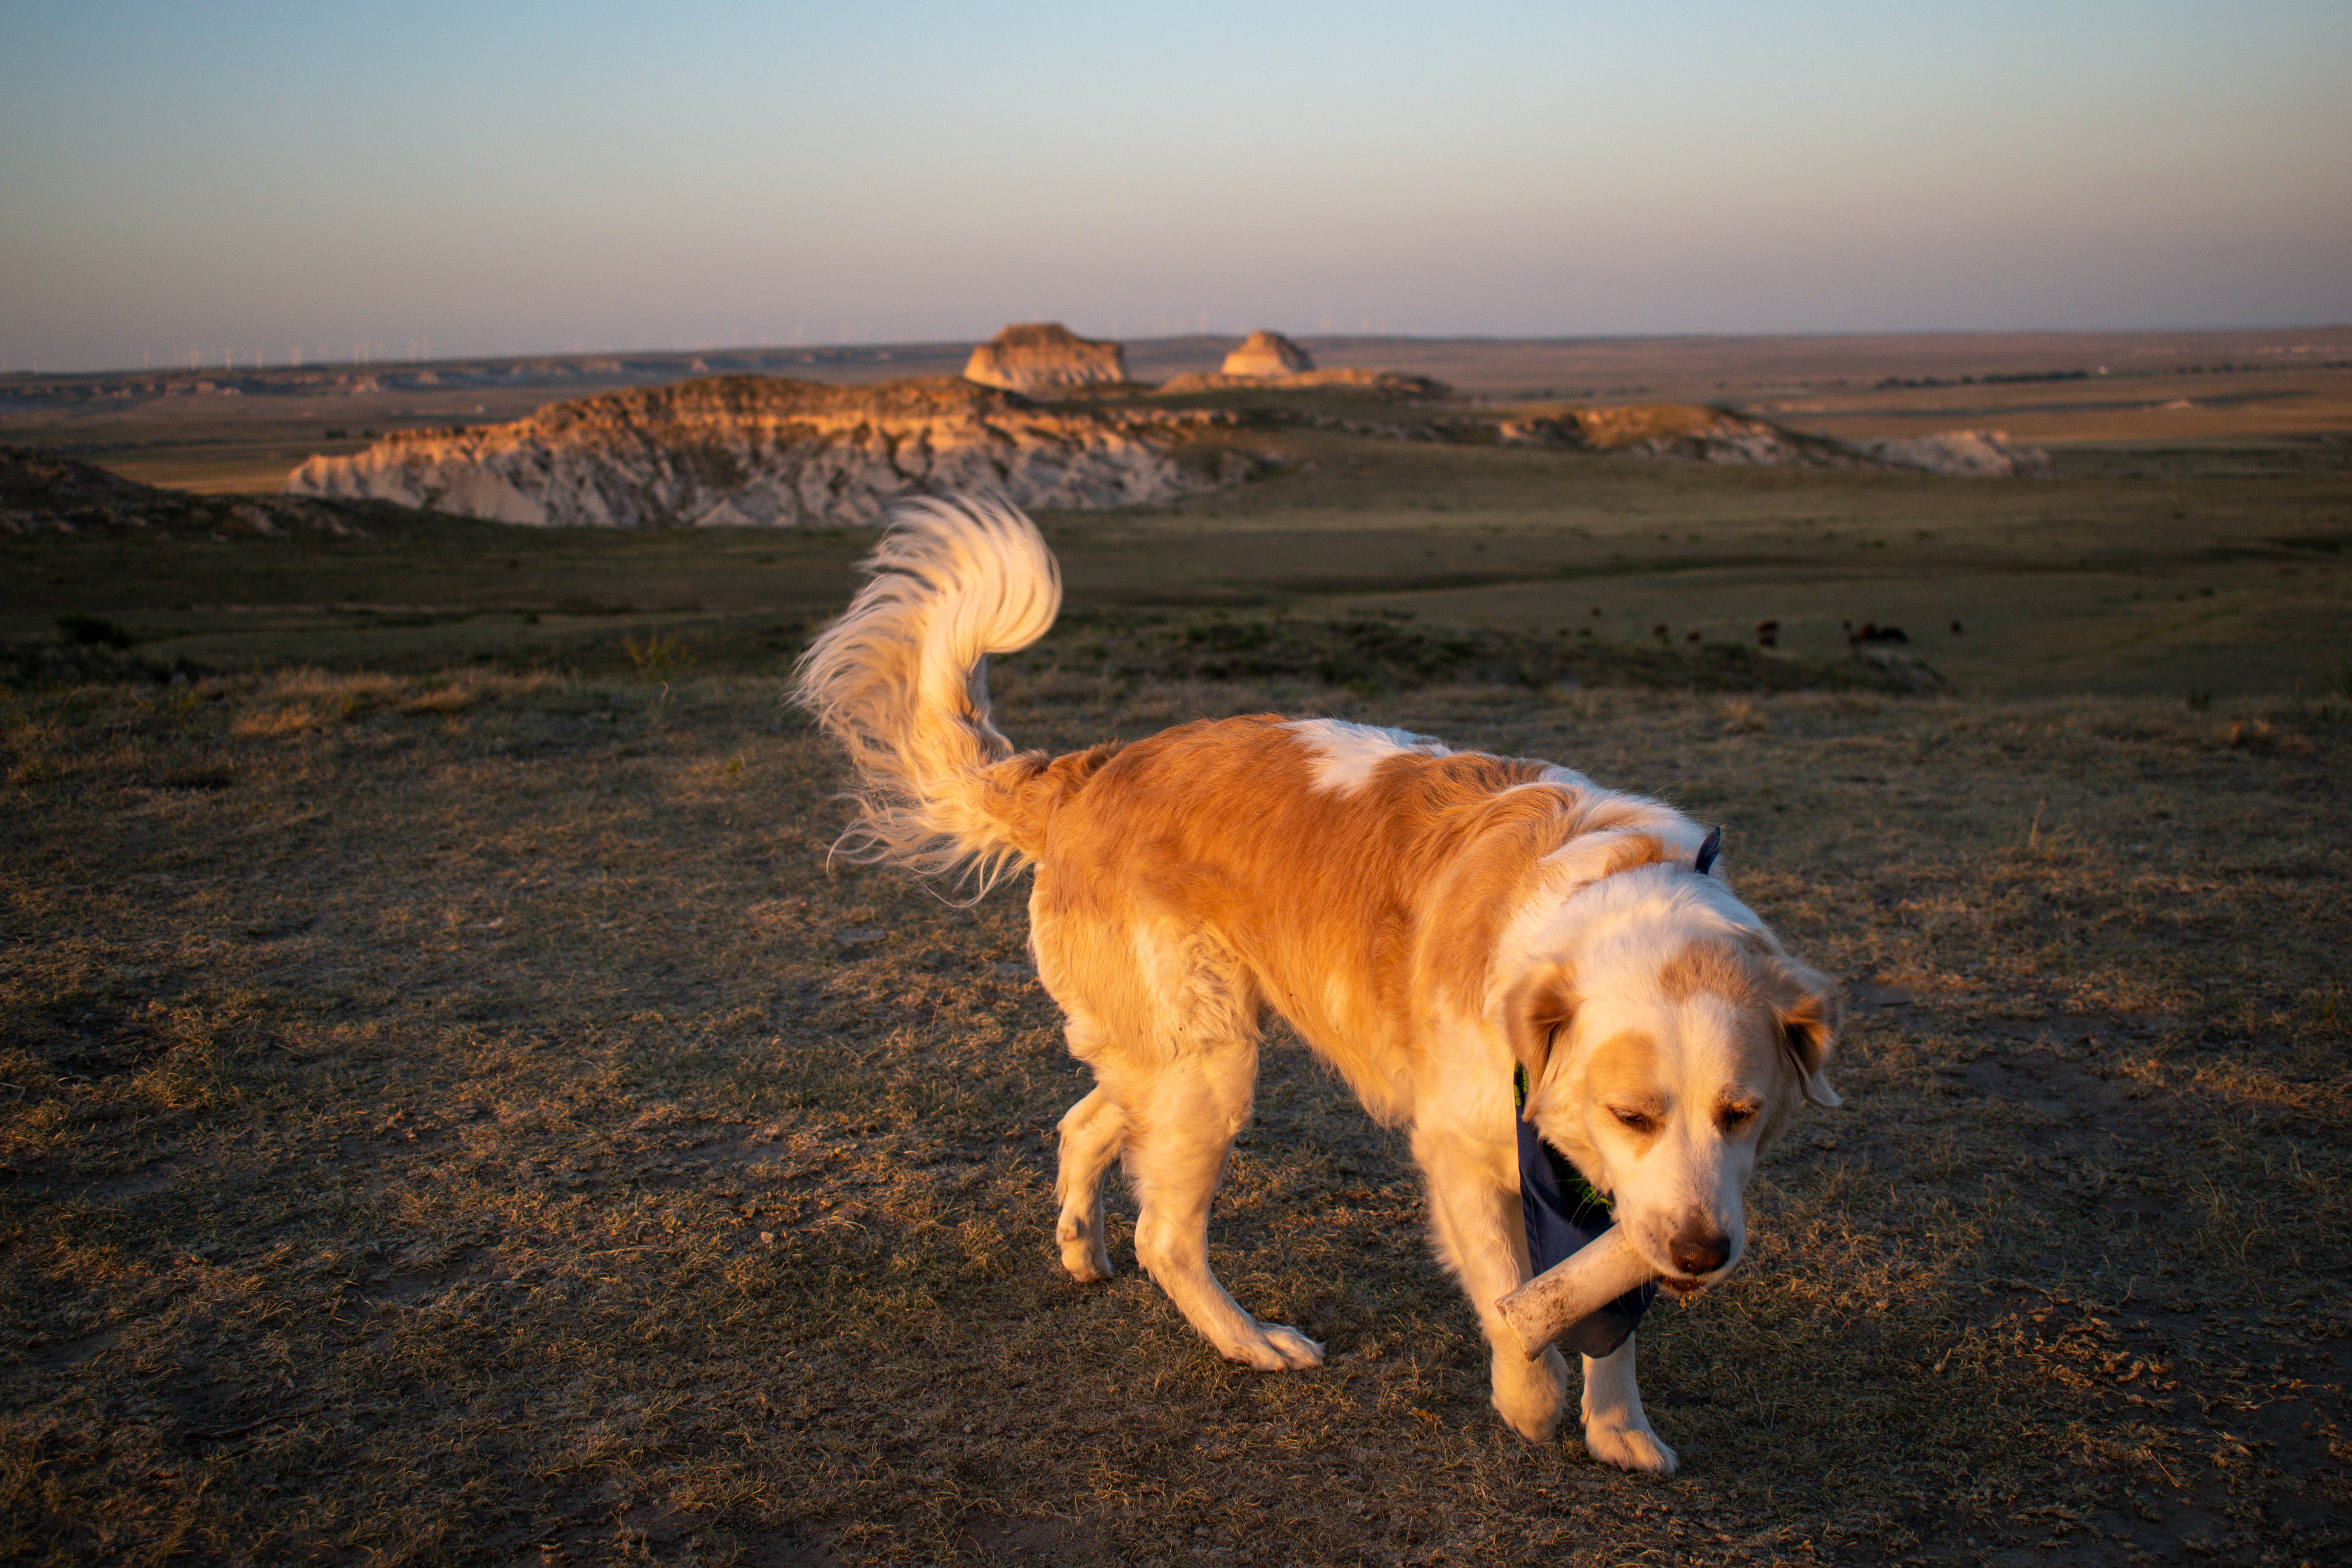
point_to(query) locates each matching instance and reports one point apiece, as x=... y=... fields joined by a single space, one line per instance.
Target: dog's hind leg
x=1169 y=1022
x=1181 y=1120
x=1091 y=1135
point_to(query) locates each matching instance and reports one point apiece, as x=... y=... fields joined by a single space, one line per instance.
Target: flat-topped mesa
x=763 y=451
x=1042 y=355
x=1267 y=353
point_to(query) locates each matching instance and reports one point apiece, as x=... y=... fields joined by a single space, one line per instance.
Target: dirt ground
x=460 y=1118
x=450 y=1112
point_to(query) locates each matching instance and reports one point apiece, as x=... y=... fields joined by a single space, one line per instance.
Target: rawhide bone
x=1596 y=1274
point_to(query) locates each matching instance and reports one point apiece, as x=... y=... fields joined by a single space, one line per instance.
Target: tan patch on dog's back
x=1507 y=833
x=1355 y=912
x=1634 y=851
x=1370 y=916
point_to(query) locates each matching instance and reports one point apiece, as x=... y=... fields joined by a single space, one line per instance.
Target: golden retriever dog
x=1429 y=921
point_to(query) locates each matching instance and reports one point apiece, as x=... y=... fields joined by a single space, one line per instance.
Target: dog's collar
x=1709 y=848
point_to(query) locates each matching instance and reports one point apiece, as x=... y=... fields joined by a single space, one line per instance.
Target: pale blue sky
x=499 y=178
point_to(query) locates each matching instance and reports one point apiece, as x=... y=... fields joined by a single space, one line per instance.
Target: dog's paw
x=1086 y=1261
x=1531 y=1397
x=1085 y=1266
x=1629 y=1445
x=1083 y=1253
x=1277 y=1347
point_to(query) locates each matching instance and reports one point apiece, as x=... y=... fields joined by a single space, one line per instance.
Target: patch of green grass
x=658 y=656
x=2119 y=581
x=91 y=631
x=1373 y=654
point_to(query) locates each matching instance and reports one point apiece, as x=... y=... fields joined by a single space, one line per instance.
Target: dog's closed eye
x=1634 y=1120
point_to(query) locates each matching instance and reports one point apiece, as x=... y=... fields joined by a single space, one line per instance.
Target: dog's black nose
x=1697 y=1250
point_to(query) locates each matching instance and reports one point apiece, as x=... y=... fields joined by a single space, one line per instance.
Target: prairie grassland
x=2130 y=584
x=460 y=1117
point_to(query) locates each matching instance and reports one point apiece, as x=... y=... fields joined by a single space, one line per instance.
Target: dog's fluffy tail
x=901 y=680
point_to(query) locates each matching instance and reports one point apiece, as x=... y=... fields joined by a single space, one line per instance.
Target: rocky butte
x=761 y=451
x=1267 y=353
x=1042 y=355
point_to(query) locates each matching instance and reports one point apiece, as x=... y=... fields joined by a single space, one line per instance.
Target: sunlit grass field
x=461 y=1117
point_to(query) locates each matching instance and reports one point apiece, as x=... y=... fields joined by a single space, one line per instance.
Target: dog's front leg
x=1616 y=1431
x=1482 y=1237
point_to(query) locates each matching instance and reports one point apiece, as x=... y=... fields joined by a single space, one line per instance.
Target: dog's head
x=1667 y=1048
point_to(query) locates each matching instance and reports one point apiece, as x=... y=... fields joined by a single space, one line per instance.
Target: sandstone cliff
x=762 y=451
x=1042 y=355
x=1267 y=353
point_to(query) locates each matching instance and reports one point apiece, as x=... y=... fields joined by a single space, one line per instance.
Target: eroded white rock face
x=1042 y=355
x=1267 y=353
x=1712 y=435
x=1971 y=453
x=769 y=452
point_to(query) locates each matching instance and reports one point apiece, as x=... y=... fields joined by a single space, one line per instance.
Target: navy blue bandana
x=1563 y=1215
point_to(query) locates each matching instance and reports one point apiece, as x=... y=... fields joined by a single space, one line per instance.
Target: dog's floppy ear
x=1538 y=1007
x=1806 y=1011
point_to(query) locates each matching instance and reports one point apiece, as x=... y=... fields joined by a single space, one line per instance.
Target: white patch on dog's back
x=1346 y=755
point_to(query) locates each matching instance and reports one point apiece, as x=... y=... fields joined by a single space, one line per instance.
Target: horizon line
x=390 y=362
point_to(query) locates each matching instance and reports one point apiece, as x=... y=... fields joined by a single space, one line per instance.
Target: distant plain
x=2180 y=550
x=2082 y=389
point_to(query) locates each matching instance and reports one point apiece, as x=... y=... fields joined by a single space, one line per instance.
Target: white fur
x=1346 y=755
x=1616 y=1430
x=901 y=679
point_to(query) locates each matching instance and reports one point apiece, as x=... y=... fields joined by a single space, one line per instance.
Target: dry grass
x=460 y=1118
